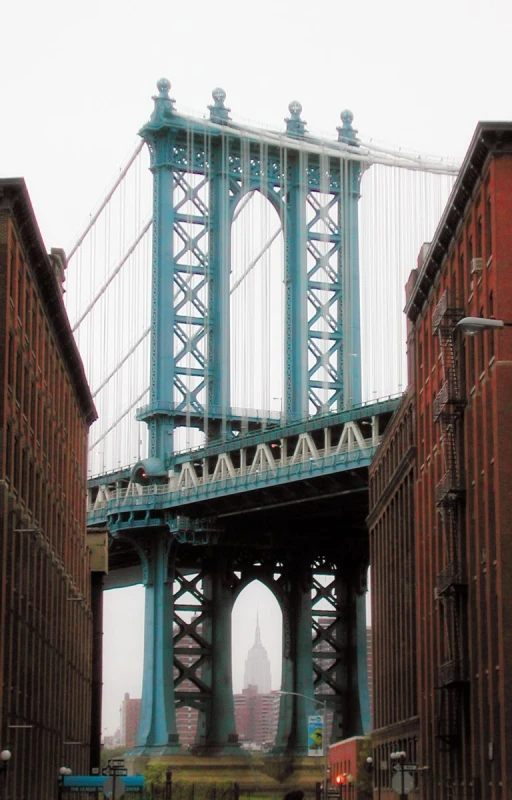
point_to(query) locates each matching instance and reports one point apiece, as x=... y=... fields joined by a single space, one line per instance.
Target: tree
x=364 y=782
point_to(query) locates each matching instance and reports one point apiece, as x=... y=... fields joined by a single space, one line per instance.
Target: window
x=461 y=276
x=10 y=364
x=491 y=333
x=481 y=346
x=478 y=242
x=488 y=230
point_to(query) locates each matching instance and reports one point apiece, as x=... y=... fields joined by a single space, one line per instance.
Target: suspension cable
x=113 y=274
x=121 y=416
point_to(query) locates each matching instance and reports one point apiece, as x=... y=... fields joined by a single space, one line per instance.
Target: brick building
x=342 y=766
x=45 y=613
x=369 y=667
x=393 y=595
x=130 y=715
x=453 y=654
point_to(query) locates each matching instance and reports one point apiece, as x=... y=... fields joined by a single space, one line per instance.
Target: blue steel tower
x=195 y=562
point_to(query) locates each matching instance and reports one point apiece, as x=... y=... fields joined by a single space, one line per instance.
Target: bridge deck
x=296 y=456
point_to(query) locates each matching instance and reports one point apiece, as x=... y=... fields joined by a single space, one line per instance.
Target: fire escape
x=451 y=583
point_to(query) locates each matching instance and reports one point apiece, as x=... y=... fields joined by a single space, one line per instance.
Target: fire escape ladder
x=448 y=407
x=448 y=720
x=449 y=403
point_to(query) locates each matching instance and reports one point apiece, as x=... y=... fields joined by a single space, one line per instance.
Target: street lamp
x=398 y=757
x=63 y=771
x=369 y=768
x=473 y=325
x=323 y=704
x=5 y=757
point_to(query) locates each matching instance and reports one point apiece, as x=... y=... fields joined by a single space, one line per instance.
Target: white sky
x=77 y=81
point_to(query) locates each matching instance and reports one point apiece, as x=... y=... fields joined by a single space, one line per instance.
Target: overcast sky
x=76 y=85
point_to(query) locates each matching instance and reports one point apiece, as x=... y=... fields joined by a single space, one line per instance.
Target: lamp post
x=168 y=783
x=5 y=757
x=62 y=772
x=398 y=757
x=323 y=704
x=369 y=768
x=473 y=325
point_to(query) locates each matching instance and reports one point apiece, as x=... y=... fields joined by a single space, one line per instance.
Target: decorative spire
x=257 y=664
x=164 y=105
x=346 y=133
x=218 y=112
x=295 y=126
x=257 y=636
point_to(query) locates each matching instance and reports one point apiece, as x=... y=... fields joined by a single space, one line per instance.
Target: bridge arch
x=256 y=660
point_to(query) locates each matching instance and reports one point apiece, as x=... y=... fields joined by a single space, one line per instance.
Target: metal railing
x=136 y=493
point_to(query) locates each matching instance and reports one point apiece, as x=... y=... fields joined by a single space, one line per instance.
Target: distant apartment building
x=256 y=716
x=130 y=715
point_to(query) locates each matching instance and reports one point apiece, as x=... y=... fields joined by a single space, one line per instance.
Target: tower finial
x=218 y=112
x=346 y=133
x=164 y=105
x=295 y=126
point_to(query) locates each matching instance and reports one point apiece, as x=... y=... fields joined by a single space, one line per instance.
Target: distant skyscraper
x=257 y=665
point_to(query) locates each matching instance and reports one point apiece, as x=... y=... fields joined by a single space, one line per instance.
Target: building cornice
x=15 y=202
x=491 y=139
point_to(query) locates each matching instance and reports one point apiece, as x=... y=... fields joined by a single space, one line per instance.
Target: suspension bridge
x=237 y=301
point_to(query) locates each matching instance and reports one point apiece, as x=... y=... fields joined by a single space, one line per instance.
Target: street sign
x=114 y=787
x=114 y=763
x=407 y=767
x=114 y=771
x=133 y=784
x=408 y=782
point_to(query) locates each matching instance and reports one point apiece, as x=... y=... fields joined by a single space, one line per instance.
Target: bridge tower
x=196 y=558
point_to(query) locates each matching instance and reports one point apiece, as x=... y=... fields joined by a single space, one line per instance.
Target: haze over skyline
x=120 y=651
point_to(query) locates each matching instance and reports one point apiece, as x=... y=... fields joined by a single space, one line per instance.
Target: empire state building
x=257 y=666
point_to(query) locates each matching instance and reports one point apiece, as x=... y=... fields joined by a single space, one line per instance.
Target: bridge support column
x=221 y=735
x=297 y=675
x=351 y=356
x=161 y=426
x=352 y=709
x=157 y=732
x=296 y=325
x=218 y=289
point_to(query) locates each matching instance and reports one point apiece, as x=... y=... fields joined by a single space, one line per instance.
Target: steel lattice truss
x=191 y=223
x=325 y=322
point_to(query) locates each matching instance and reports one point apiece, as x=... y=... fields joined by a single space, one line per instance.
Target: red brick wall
x=461 y=650
x=343 y=758
x=393 y=592
x=46 y=626
x=131 y=712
